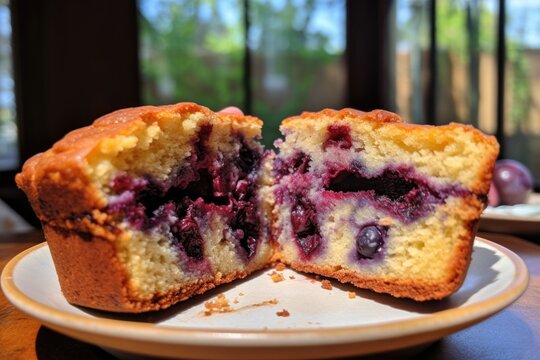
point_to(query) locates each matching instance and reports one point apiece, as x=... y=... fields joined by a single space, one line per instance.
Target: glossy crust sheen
x=61 y=169
x=82 y=237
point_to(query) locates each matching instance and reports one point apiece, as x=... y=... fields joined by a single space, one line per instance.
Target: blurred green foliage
x=194 y=50
x=289 y=56
x=189 y=53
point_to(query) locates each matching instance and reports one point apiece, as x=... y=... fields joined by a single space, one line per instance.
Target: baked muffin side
x=149 y=206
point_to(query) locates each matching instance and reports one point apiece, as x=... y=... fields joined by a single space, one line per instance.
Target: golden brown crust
x=88 y=270
x=241 y=119
x=55 y=181
x=308 y=121
x=400 y=288
x=379 y=116
x=83 y=243
x=81 y=236
x=91 y=275
x=383 y=117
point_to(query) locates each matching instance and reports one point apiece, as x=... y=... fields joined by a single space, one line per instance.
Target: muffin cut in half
x=149 y=206
x=370 y=200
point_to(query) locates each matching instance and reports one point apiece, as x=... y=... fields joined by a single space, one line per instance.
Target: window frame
x=50 y=103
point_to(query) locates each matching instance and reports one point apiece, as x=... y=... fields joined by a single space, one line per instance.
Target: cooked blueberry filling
x=305 y=226
x=397 y=190
x=247 y=159
x=247 y=166
x=390 y=183
x=298 y=163
x=123 y=182
x=370 y=240
x=245 y=228
x=208 y=183
x=151 y=196
x=200 y=144
x=186 y=232
x=338 y=136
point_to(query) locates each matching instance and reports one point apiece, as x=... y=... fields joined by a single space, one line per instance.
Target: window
x=432 y=61
x=9 y=158
x=522 y=85
x=475 y=62
x=297 y=50
x=192 y=50
x=272 y=58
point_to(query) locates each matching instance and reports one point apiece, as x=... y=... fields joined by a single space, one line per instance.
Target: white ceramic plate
x=321 y=323
x=516 y=219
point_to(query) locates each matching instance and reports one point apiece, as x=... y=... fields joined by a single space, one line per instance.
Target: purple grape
x=513 y=181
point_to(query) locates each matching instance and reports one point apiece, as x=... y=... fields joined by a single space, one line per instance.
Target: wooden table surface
x=513 y=333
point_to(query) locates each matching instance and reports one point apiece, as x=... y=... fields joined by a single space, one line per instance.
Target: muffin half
x=370 y=200
x=149 y=206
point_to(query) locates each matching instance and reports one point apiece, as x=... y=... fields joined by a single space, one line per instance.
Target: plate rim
x=364 y=333
x=512 y=217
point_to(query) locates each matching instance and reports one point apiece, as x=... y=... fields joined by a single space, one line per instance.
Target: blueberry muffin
x=368 y=199
x=149 y=206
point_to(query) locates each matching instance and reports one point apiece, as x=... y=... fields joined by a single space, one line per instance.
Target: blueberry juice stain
x=178 y=205
x=396 y=190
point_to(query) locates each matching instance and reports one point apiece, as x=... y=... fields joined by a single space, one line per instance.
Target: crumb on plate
x=219 y=305
x=326 y=284
x=276 y=277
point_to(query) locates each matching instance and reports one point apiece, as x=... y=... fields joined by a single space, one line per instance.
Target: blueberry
x=309 y=243
x=300 y=219
x=187 y=233
x=245 y=227
x=201 y=142
x=305 y=226
x=247 y=159
x=338 y=136
x=389 y=184
x=370 y=240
